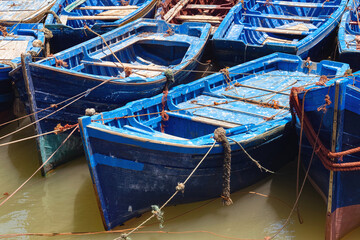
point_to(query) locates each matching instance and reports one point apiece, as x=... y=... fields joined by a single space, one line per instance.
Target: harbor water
x=64 y=202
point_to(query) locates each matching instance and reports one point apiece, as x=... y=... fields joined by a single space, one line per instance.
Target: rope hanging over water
x=220 y=136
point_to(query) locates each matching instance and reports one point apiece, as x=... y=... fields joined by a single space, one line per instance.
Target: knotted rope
x=169 y=80
x=48 y=35
x=220 y=136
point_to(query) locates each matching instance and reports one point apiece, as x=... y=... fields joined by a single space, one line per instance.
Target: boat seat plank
x=155 y=68
x=284 y=17
x=12 y=49
x=299 y=4
x=93 y=17
x=175 y=10
x=203 y=6
x=122 y=13
x=200 y=18
x=128 y=7
x=278 y=31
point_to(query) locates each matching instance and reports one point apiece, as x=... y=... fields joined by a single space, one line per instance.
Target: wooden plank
x=175 y=10
x=126 y=65
x=128 y=7
x=200 y=18
x=93 y=18
x=12 y=49
x=285 y=17
x=215 y=122
x=64 y=18
x=299 y=4
x=278 y=31
x=121 y=13
x=202 y=6
x=259 y=103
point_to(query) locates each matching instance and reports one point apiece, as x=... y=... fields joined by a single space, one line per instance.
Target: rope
x=126 y=235
x=42 y=165
x=220 y=136
x=48 y=35
x=11 y=64
x=321 y=151
x=164 y=116
x=57 y=18
x=87 y=28
x=251 y=158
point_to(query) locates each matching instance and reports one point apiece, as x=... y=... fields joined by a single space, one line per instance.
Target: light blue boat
x=349 y=36
x=254 y=28
x=15 y=40
x=134 y=164
x=140 y=46
x=67 y=18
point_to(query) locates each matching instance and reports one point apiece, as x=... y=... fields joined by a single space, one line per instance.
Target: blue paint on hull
x=347 y=46
x=346 y=187
x=169 y=156
x=74 y=30
x=241 y=36
x=141 y=43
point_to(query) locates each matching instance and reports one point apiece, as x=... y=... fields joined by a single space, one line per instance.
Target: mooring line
x=179 y=188
x=42 y=165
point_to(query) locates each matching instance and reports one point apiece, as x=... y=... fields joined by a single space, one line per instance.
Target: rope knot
x=158 y=213
x=220 y=135
x=90 y=112
x=59 y=128
x=169 y=74
x=47 y=33
x=323 y=79
x=180 y=187
x=37 y=43
x=323 y=107
x=124 y=236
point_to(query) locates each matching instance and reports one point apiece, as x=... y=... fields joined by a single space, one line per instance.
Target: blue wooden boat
x=254 y=28
x=134 y=164
x=210 y=11
x=348 y=36
x=68 y=18
x=24 y=11
x=334 y=170
x=15 y=40
x=146 y=48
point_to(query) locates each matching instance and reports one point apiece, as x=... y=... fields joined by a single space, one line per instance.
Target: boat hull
x=127 y=183
x=40 y=89
x=339 y=188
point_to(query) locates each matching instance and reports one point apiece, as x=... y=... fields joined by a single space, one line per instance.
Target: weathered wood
x=93 y=17
x=299 y=4
x=175 y=10
x=215 y=122
x=121 y=13
x=278 y=31
x=128 y=7
x=200 y=18
x=10 y=49
x=126 y=65
x=25 y=11
x=254 y=102
x=202 y=6
x=63 y=19
x=285 y=17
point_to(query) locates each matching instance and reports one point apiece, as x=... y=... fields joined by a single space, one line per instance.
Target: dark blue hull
x=127 y=183
x=49 y=84
x=254 y=29
x=339 y=186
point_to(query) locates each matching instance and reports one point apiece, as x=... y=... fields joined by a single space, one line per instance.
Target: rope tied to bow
x=327 y=103
x=220 y=136
x=169 y=80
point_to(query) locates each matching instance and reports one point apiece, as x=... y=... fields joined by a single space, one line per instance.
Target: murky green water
x=65 y=202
